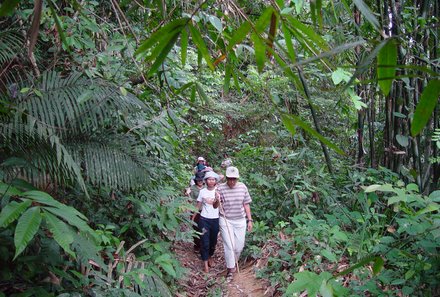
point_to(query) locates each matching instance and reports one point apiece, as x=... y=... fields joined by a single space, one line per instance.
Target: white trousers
x=233 y=234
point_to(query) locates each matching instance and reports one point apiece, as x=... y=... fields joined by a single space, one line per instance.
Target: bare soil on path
x=197 y=283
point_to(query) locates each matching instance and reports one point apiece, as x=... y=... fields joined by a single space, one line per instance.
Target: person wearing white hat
x=201 y=165
x=207 y=201
x=235 y=217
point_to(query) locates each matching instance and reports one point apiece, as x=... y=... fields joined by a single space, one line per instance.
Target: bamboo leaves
x=386 y=66
x=425 y=107
x=160 y=43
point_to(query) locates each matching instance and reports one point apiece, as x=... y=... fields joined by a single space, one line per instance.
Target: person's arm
x=247 y=209
x=198 y=206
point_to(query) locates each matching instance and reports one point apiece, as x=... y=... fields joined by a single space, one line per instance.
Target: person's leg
x=213 y=235
x=228 y=242
x=204 y=240
x=197 y=229
x=239 y=236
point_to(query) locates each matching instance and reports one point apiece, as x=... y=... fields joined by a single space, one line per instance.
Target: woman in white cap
x=235 y=217
x=209 y=216
x=201 y=165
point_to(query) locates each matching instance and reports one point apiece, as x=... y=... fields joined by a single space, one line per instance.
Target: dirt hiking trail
x=197 y=283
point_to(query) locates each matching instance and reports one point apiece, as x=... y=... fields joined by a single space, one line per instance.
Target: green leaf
x=377 y=265
x=72 y=219
x=58 y=25
x=305 y=280
x=27 y=226
x=61 y=232
x=329 y=255
x=184 y=45
x=46 y=199
x=425 y=107
x=12 y=211
x=260 y=51
x=202 y=93
x=361 y=263
x=365 y=10
x=430 y=208
x=161 y=33
x=289 y=44
x=7 y=7
x=198 y=40
x=227 y=81
x=340 y=75
x=295 y=120
x=289 y=124
x=163 y=54
x=216 y=22
x=239 y=34
x=386 y=66
x=402 y=140
x=264 y=20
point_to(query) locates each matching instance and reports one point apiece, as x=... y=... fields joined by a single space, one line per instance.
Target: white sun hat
x=211 y=174
x=201 y=159
x=232 y=172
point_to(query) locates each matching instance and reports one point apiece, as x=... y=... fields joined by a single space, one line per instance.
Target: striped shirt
x=233 y=200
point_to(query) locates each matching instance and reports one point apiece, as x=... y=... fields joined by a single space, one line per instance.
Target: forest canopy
x=329 y=108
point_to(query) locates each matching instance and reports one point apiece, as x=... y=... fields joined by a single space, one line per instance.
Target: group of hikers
x=224 y=206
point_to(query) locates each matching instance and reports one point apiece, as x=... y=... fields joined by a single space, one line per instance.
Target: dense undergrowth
x=99 y=132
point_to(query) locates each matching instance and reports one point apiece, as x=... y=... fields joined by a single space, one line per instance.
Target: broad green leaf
x=372 y=188
x=386 y=66
x=72 y=219
x=365 y=10
x=198 y=40
x=329 y=255
x=8 y=190
x=161 y=33
x=260 y=51
x=305 y=280
x=377 y=265
x=430 y=208
x=326 y=289
x=402 y=140
x=340 y=75
x=239 y=35
x=184 y=45
x=61 y=232
x=307 y=31
x=425 y=107
x=264 y=20
x=46 y=199
x=163 y=54
x=397 y=199
x=7 y=7
x=361 y=263
x=288 y=123
x=216 y=22
x=289 y=44
x=365 y=64
x=12 y=211
x=27 y=226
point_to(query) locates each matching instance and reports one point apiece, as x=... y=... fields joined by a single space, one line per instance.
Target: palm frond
x=56 y=123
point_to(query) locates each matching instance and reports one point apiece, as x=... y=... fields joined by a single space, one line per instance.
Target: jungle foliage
x=328 y=108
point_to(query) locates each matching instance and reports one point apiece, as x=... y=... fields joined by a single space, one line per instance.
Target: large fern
x=68 y=129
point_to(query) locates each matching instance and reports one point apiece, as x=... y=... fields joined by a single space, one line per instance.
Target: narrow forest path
x=196 y=283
